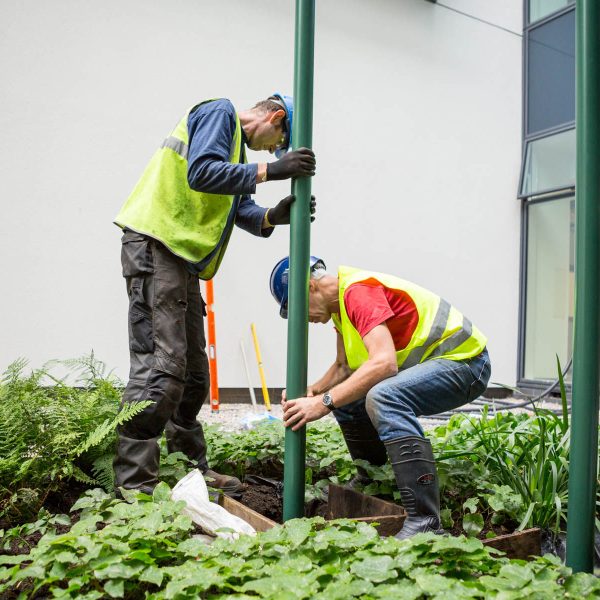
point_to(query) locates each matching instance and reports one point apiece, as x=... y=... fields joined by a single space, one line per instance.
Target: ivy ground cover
x=142 y=548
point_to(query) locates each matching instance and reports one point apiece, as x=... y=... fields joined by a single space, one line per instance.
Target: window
x=549 y=164
x=550 y=286
x=538 y=9
x=547 y=188
x=551 y=74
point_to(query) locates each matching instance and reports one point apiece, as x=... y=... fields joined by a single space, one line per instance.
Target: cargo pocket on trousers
x=141 y=334
x=136 y=254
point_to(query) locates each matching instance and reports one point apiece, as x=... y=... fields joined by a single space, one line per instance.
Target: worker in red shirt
x=402 y=352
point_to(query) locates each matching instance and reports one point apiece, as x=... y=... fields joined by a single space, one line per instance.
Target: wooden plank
x=258 y=521
x=385 y=525
x=521 y=544
x=344 y=503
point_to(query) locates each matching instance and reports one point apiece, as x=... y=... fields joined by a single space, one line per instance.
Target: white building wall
x=416 y=129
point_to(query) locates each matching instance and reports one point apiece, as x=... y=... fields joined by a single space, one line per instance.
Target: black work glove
x=280 y=214
x=298 y=163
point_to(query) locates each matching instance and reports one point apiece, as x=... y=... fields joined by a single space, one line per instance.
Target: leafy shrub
x=50 y=435
x=260 y=451
x=142 y=549
x=506 y=469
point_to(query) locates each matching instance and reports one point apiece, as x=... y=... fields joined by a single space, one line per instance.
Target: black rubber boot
x=193 y=444
x=416 y=477
x=136 y=464
x=363 y=443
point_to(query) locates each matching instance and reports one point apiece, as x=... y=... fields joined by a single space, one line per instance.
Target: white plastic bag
x=210 y=516
x=252 y=420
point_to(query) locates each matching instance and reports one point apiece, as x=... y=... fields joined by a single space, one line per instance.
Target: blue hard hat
x=279 y=280
x=287 y=103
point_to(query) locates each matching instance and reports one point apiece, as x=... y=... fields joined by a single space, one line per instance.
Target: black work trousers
x=169 y=365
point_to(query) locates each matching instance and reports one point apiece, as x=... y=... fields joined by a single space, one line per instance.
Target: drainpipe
x=584 y=420
x=297 y=356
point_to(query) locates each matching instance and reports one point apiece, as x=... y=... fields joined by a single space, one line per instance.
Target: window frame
x=525 y=87
x=534 y=138
x=560 y=193
x=548 y=17
x=522 y=382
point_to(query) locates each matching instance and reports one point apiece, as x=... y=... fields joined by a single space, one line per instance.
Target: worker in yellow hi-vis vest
x=177 y=223
x=402 y=352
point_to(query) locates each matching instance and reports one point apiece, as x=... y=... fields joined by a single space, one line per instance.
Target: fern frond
x=131 y=409
x=103 y=471
x=14 y=371
x=95 y=437
x=104 y=429
x=82 y=477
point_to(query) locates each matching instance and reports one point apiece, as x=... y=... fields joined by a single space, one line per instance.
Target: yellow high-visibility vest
x=441 y=332
x=193 y=225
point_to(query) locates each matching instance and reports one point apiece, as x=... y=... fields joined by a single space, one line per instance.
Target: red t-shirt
x=369 y=304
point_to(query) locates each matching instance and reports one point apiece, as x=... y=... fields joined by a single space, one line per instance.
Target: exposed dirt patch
x=62 y=500
x=265 y=496
x=58 y=502
x=264 y=499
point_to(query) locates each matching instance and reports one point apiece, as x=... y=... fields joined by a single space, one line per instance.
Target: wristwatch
x=328 y=401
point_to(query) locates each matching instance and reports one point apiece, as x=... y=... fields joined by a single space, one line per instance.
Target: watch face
x=327 y=401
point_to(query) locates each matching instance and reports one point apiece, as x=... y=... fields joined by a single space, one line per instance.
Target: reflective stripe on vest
x=177 y=146
x=441 y=332
x=437 y=330
x=194 y=225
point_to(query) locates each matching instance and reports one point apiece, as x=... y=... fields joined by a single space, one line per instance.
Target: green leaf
x=563 y=395
x=297 y=530
x=375 y=568
x=404 y=589
x=582 y=585
x=118 y=570
x=446 y=518
x=152 y=575
x=472 y=524
x=115 y=588
x=192 y=547
x=161 y=492
x=471 y=505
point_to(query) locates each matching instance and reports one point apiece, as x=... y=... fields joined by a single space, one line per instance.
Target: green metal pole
x=584 y=421
x=297 y=357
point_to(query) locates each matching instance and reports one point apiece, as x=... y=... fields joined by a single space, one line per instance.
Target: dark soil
x=264 y=499
x=265 y=496
x=61 y=501
x=488 y=527
x=57 y=502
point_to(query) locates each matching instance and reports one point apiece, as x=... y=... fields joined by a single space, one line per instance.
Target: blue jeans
x=428 y=388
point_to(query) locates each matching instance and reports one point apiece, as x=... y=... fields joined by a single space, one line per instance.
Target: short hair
x=268 y=105
x=318 y=274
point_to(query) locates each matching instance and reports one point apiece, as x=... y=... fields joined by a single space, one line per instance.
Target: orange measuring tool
x=212 y=346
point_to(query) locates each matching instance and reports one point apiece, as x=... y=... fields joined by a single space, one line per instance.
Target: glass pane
x=550 y=287
x=551 y=74
x=549 y=163
x=538 y=9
